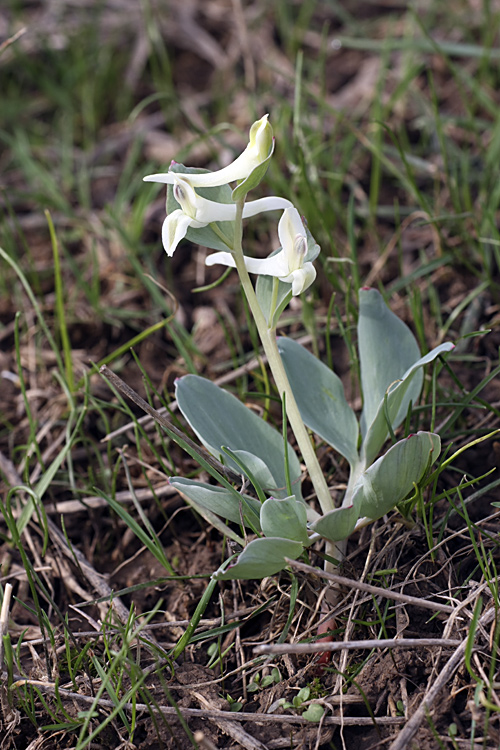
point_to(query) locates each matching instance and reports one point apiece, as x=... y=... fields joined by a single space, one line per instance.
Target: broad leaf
x=229 y=505
x=261 y=558
x=205 y=236
x=338 y=524
x=395 y=404
x=387 y=349
x=381 y=487
x=320 y=397
x=220 y=419
x=391 y=478
x=285 y=518
x=257 y=471
x=314 y=712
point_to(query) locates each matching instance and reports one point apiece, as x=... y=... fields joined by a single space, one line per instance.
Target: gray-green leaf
x=261 y=558
x=338 y=524
x=229 y=505
x=314 y=712
x=220 y=419
x=396 y=404
x=286 y=518
x=264 y=289
x=391 y=478
x=382 y=486
x=387 y=349
x=320 y=397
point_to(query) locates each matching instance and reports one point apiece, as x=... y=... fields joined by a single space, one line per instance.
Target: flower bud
x=257 y=151
x=260 y=140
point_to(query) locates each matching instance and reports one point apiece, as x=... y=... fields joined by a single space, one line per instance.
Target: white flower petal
x=274 y=266
x=208 y=211
x=174 y=229
x=221 y=259
x=166 y=178
x=288 y=264
x=293 y=237
x=257 y=151
x=197 y=212
x=204 y=211
x=271 y=203
x=300 y=279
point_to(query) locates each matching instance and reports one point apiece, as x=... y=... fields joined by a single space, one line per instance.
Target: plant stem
x=268 y=339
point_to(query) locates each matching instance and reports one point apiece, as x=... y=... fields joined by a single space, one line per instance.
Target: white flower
x=197 y=212
x=289 y=263
x=257 y=151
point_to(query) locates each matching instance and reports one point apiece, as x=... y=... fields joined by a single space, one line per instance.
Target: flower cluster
x=290 y=264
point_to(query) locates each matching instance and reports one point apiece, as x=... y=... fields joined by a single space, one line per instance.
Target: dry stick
x=231 y=728
x=4 y=617
x=317 y=648
x=349 y=626
x=376 y=590
x=207 y=623
x=404 y=738
x=147 y=420
x=4 y=629
x=88 y=571
x=166 y=424
x=95 y=579
x=172 y=712
x=65 y=507
x=12 y=39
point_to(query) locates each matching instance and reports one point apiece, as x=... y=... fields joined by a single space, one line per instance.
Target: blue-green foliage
x=391 y=379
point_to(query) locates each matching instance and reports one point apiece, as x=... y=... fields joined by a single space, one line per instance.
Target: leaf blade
x=323 y=408
x=219 y=419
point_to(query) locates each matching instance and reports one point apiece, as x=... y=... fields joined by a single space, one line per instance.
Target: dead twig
x=173 y=712
x=96 y=501
x=229 y=377
x=231 y=728
x=406 y=735
x=317 y=648
x=12 y=39
x=375 y=590
x=4 y=617
x=93 y=577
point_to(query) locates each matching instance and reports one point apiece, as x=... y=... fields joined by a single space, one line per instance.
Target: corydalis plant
x=287 y=274
x=203 y=208
x=392 y=379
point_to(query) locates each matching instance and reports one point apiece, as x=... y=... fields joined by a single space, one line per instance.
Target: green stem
x=274 y=298
x=337 y=549
x=269 y=344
